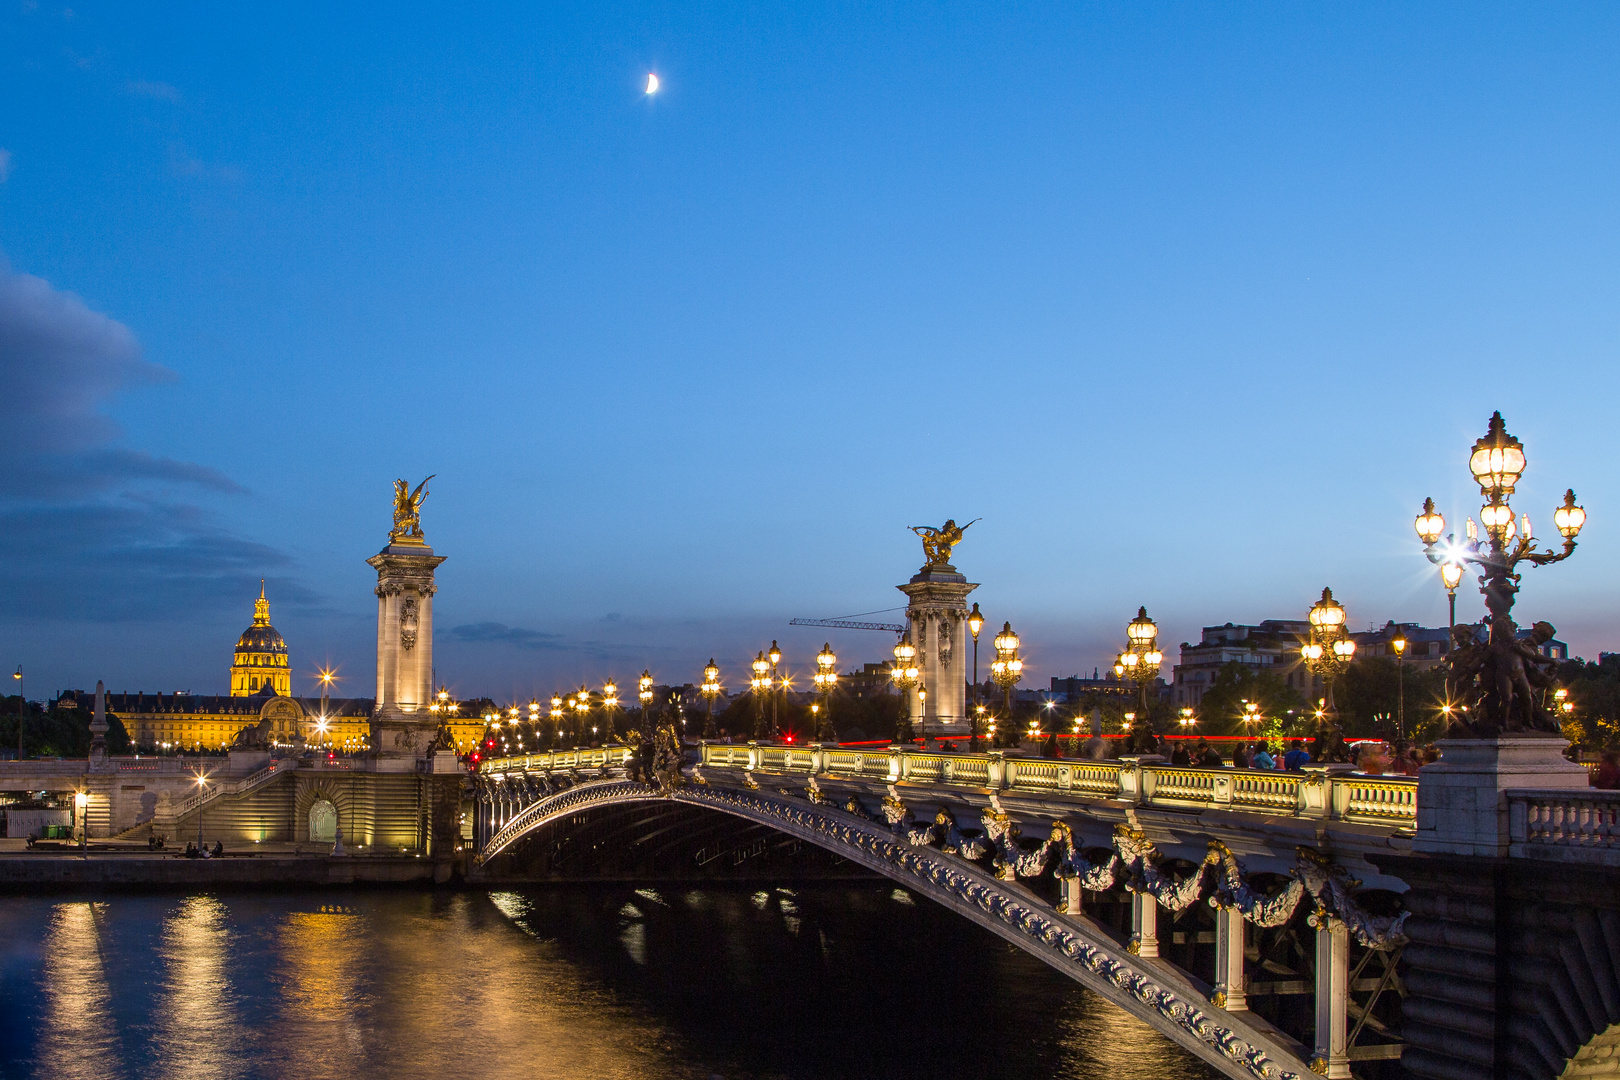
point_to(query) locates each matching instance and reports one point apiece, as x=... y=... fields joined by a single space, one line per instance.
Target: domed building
x=261 y=657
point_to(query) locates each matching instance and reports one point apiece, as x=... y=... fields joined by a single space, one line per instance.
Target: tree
x=1221 y=710
x=1368 y=697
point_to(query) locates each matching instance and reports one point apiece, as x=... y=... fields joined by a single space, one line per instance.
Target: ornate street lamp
x=775 y=657
x=1451 y=575
x=610 y=702
x=644 y=692
x=582 y=710
x=826 y=682
x=1491 y=684
x=1399 y=643
x=1139 y=662
x=760 y=684
x=1328 y=653
x=975 y=623
x=1007 y=668
x=906 y=676
x=710 y=690
x=556 y=719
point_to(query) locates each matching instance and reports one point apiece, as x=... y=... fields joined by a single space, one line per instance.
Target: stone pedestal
x=243 y=762
x=402 y=729
x=1462 y=808
x=937 y=617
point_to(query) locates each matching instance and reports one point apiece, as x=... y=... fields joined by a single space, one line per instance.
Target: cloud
x=5 y=165
x=91 y=529
x=160 y=91
x=182 y=162
x=494 y=633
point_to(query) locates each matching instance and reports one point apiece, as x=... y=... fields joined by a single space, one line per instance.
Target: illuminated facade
x=261 y=656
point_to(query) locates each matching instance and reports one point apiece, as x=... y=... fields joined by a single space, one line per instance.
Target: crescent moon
x=652 y=83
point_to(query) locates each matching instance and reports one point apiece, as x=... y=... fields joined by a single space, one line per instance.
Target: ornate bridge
x=1463 y=926
x=1280 y=936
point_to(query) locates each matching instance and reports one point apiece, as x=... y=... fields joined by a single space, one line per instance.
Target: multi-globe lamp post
x=1007 y=668
x=556 y=719
x=905 y=675
x=1329 y=651
x=644 y=692
x=759 y=686
x=1497 y=462
x=710 y=690
x=826 y=682
x=1139 y=662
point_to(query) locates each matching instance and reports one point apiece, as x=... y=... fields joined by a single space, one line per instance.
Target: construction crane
x=850 y=624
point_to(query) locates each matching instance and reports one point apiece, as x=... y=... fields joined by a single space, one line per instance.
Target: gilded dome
x=261 y=664
x=257 y=638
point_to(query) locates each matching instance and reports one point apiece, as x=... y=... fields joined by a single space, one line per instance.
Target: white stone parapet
x=1367 y=800
x=1463 y=805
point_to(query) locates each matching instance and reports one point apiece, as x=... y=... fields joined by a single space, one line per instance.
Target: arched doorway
x=323 y=821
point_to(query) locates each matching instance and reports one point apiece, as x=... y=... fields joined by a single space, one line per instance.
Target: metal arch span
x=1148 y=989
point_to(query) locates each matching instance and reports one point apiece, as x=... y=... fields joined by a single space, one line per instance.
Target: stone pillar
x=1229 y=985
x=1332 y=997
x=1070 y=895
x=937 y=617
x=1462 y=807
x=1144 y=925
x=401 y=727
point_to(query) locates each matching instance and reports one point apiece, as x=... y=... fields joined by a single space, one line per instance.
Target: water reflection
x=77 y=1035
x=324 y=997
x=198 y=1035
x=824 y=981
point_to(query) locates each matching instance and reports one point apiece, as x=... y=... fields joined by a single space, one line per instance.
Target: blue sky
x=1192 y=305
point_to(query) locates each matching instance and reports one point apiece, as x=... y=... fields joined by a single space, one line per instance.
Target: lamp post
x=1451 y=575
x=975 y=623
x=826 y=682
x=1140 y=662
x=22 y=711
x=556 y=719
x=582 y=711
x=905 y=676
x=1007 y=669
x=645 y=693
x=1328 y=653
x=710 y=690
x=202 y=789
x=610 y=701
x=1399 y=643
x=1491 y=683
x=775 y=656
x=757 y=686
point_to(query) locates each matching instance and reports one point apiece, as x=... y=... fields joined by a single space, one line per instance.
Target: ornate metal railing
x=1565 y=823
x=1327 y=792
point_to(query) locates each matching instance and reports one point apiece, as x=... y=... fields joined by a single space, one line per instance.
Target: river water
x=814 y=982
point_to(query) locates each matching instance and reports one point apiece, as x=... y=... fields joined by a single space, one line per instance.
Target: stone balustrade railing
x=234 y=787
x=1317 y=792
x=601 y=757
x=1565 y=825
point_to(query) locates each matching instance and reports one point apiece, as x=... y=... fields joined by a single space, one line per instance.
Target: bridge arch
x=1148 y=989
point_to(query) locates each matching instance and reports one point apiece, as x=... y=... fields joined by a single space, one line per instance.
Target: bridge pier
x=1332 y=996
x=1229 y=986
